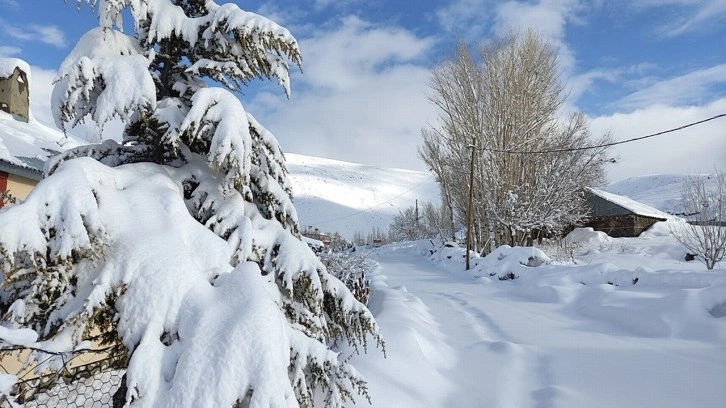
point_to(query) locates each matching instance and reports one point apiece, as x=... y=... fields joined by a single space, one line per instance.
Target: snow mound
x=507 y=263
x=589 y=236
x=504 y=263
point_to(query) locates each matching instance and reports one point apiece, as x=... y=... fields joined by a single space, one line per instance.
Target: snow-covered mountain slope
x=337 y=196
x=662 y=191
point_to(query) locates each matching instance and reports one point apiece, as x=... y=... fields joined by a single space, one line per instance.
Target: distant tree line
x=428 y=220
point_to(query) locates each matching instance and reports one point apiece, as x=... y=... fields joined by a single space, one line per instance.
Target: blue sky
x=634 y=67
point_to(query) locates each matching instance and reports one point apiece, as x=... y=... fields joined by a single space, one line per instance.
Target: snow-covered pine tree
x=178 y=249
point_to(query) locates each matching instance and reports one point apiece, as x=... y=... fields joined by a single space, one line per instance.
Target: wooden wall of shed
x=643 y=223
x=621 y=225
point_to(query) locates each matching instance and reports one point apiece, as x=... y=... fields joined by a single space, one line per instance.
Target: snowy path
x=453 y=341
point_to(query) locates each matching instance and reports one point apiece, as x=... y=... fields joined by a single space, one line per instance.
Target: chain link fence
x=85 y=379
x=92 y=392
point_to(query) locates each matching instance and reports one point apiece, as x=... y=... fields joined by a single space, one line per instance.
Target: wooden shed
x=619 y=216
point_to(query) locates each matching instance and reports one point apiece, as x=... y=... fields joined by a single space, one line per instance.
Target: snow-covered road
x=457 y=341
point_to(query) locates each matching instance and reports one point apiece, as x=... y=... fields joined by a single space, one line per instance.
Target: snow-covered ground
x=625 y=323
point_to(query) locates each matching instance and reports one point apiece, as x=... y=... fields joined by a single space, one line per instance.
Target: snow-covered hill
x=662 y=191
x=337 y=196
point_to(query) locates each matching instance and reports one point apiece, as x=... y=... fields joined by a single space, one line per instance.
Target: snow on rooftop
x=8 y=65
x=29 y=145
x=630 y=204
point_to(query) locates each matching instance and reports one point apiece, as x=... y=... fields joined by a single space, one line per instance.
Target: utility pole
x=416 y=223
x=469 y=205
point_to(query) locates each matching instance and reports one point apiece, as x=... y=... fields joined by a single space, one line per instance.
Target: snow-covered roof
x=312 y=242
x=30 y=171
x=25 y=147
x=629 y=204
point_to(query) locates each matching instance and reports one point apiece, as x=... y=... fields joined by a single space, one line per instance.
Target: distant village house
x=325 y=239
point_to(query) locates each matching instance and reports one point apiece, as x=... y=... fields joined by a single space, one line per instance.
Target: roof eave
x=21 y=171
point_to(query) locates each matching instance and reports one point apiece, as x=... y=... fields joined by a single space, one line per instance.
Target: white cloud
x=321 y=4
x=581 y=83
x=698 y=149
x=6 y=51
x=685 y=16
x=47 y=34
x=709 y=14
x=468 y=19
x=358 y=49
x=362 y=97
x=548 y=17
x=11 y=3
x=691 y=88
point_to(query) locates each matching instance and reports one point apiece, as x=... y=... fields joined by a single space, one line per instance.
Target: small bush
x=351 y=269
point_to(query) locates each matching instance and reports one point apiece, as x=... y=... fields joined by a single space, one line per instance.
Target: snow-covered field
x=624 y=323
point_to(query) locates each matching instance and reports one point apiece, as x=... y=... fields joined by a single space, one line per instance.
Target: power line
x=574 y=149
x=375 y=206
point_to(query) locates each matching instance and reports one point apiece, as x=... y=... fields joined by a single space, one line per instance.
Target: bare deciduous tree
x=430 y=221
x=532 y=160
x=705 y=234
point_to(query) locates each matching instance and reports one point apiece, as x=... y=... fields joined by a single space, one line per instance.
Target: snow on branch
x=179 y=295
x=270 y=182
x=105 y=76
x=218 y=120
x=231 y=45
